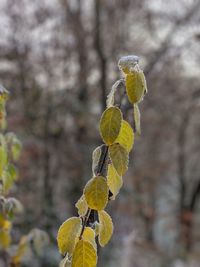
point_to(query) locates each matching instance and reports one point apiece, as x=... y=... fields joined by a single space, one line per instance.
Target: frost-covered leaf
x=126 y=136
x=84 y=255
x=110 y=124
x=13 y=206
x=82 y=206
x=96 y=155
x=89 y=235
x=128 y=63
x=105 y=228
x=96 y=193
x=135 y=86
x=38 y=240
x=3 y=93
x=34 y=241
x=114 y=181
x=67 y=235
x=96 y=228
x=119 y=158
x=65 y=262
x=111 y=96
x=137 y=119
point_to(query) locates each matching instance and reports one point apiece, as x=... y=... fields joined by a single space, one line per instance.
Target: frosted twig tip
x=128 y=62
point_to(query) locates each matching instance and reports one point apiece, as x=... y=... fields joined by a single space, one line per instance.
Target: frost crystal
x=128 y=62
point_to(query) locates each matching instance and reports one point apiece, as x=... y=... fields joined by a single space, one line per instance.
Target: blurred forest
x=58 y=59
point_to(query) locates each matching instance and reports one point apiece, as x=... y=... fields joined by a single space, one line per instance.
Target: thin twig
x=87 y=216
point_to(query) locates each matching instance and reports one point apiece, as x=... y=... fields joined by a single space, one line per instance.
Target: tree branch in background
x=99 y=50
x=166 y=44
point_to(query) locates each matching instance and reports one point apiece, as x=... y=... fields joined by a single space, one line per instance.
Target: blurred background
x=58 y=59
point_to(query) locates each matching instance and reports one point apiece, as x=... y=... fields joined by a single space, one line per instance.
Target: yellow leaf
x=110 y=124
x=4 y=239
x=135 y=86
x=126 y=136
x=125 y=70
x=5 y=224
x=89 y=235
x=35 y=240
x=82 y=206
x=114 y=181
x=105 y=228
x=137 y=119
x=84 y=255
x=119 y=158
x=67 y=234
x=21 y=251
x=96 y=193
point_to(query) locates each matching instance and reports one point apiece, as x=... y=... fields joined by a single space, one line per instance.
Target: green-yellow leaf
x=3 y=159
x=84 y=255
x=16 y=149
x=105 y=228
x=119 y=158
x=96 y=193
x=137 y=119
x=82 y=206
x=110 y=125
x=114 y=181
x=9 y=176
x=89 y=235
x=135 y=86
x=14 y=144
x=67 y=235
x=126 y=136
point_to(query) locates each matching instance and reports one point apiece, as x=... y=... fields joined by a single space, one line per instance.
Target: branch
x=182 y=139
x=181 y=157
x=195 y=196
x=166 y=44
x=92 y=215
x=99 y=50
